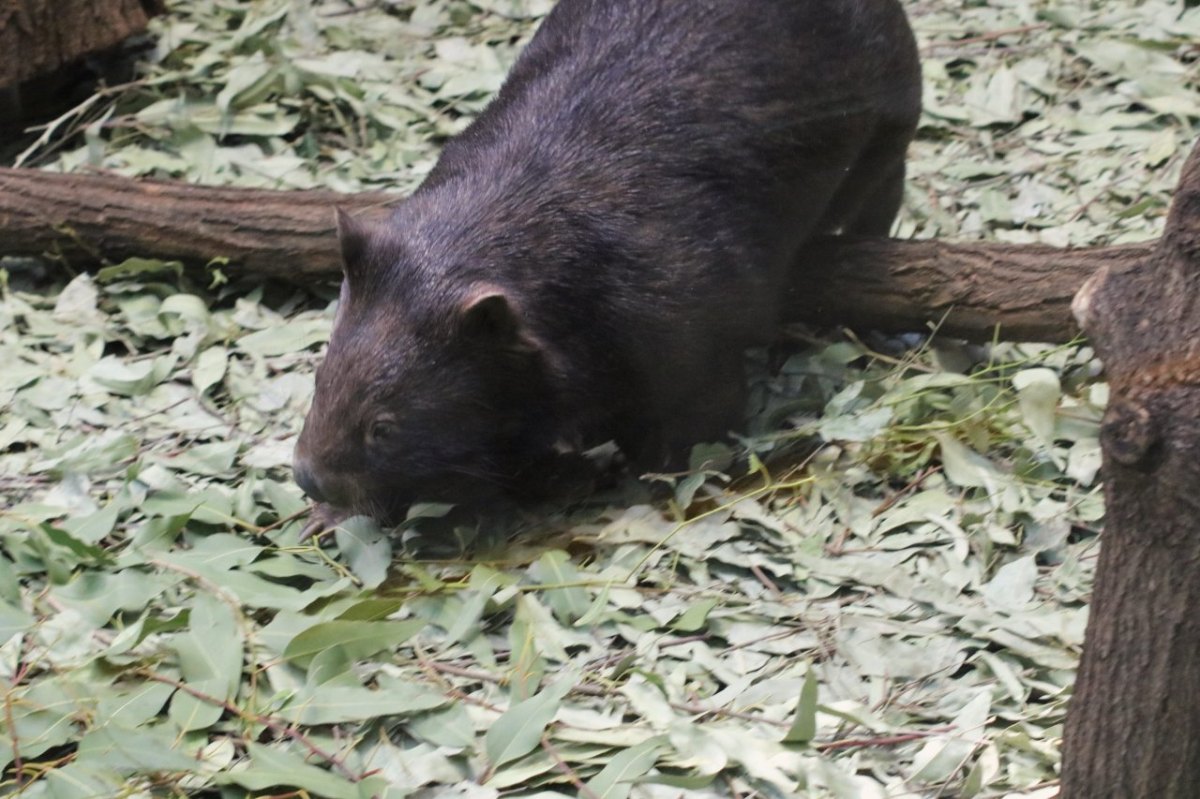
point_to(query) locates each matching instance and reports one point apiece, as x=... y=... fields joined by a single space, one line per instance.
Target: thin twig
x=986 y=37
x=217 y=590
x=570 y=773
x=79 y=110
x=602 y=692
x=757 y=571
x=281 y=522
x=274 y=725
x=430 y=668
x=887 y=740
x=18 y=765
x=908 y=489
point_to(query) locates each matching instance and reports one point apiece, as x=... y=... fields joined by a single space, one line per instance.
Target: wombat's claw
x=322 y=519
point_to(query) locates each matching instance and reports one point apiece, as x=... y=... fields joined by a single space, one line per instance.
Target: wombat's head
x=431 y=389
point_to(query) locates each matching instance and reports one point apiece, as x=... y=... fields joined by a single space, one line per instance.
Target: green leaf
x=374 y=609
x=246 y=83
x=695 y=616
x=13 y=621
x=617 y=778
x=451 y=727
x=685 y=491
x=210 y=368
x=335 y=704
x=97 y=595
x=85 y=553
x=131 y=379
x=91 y=528
x=133 y=707
x=804 y=723
x=360 y=639
x=284 y=499
x=210 y=460
x=710 y=457
x=484 y=583
x=688 y=782
x=1012 y=587
x=965 y=467
x=211 y=506
x=133 y=751
x=210 y=661
x=139 y=267
x=99 y=454
x=1039 y=392
x=293 y=336
x=84 y=779
x=597 y=609
x=526 y=666
x=272 y=767
x=519 y=730
x=569 y=602
x=367 y=549
x=42 y=716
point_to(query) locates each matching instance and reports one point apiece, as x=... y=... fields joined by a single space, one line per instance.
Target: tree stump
x=39 y=36
x=43 y=44
x=1133 y=727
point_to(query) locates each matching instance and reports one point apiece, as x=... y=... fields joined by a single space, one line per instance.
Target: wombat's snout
x=307 y=480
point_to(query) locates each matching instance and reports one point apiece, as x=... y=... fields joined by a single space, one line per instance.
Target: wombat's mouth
x=388 y=509
x=550 y=478
x=389 y=502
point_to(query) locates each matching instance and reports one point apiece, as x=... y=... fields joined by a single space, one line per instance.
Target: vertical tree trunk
x=1133 y=729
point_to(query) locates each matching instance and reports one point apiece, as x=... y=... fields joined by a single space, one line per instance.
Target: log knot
x=1128 y=431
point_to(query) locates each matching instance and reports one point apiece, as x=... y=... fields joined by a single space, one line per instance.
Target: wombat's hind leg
x=706 y=413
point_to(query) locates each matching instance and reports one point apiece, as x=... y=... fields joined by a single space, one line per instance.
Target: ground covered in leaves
x=880 y=592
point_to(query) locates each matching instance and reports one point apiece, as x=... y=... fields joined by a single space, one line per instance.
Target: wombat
x=589 y=259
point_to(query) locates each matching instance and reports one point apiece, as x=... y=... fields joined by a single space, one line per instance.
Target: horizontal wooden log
x=93 y=218
x=967 y=289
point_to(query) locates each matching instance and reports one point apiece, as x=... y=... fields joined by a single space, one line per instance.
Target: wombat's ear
x=488 y=315
x=353 y=235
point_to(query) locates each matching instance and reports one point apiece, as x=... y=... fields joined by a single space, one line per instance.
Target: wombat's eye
x=381 y=431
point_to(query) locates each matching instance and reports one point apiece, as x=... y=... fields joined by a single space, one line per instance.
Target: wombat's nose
x=307 y=481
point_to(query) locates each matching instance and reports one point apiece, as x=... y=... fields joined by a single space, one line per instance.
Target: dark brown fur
x=590 y=258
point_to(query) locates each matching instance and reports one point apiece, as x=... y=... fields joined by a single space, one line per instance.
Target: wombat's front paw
x=555 y=477
x=323 y=518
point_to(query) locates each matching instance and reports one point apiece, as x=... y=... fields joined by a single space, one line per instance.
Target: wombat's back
x=728 y=120
x=590 y=257
x=646 y=70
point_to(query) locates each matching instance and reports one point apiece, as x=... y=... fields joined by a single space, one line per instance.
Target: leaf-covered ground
x=884 y=595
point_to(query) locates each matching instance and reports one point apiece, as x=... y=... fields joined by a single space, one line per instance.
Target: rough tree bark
x=289 y=235
x=39 y=36
x=884 y=284
x=1133 y=728
x=967 y=288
